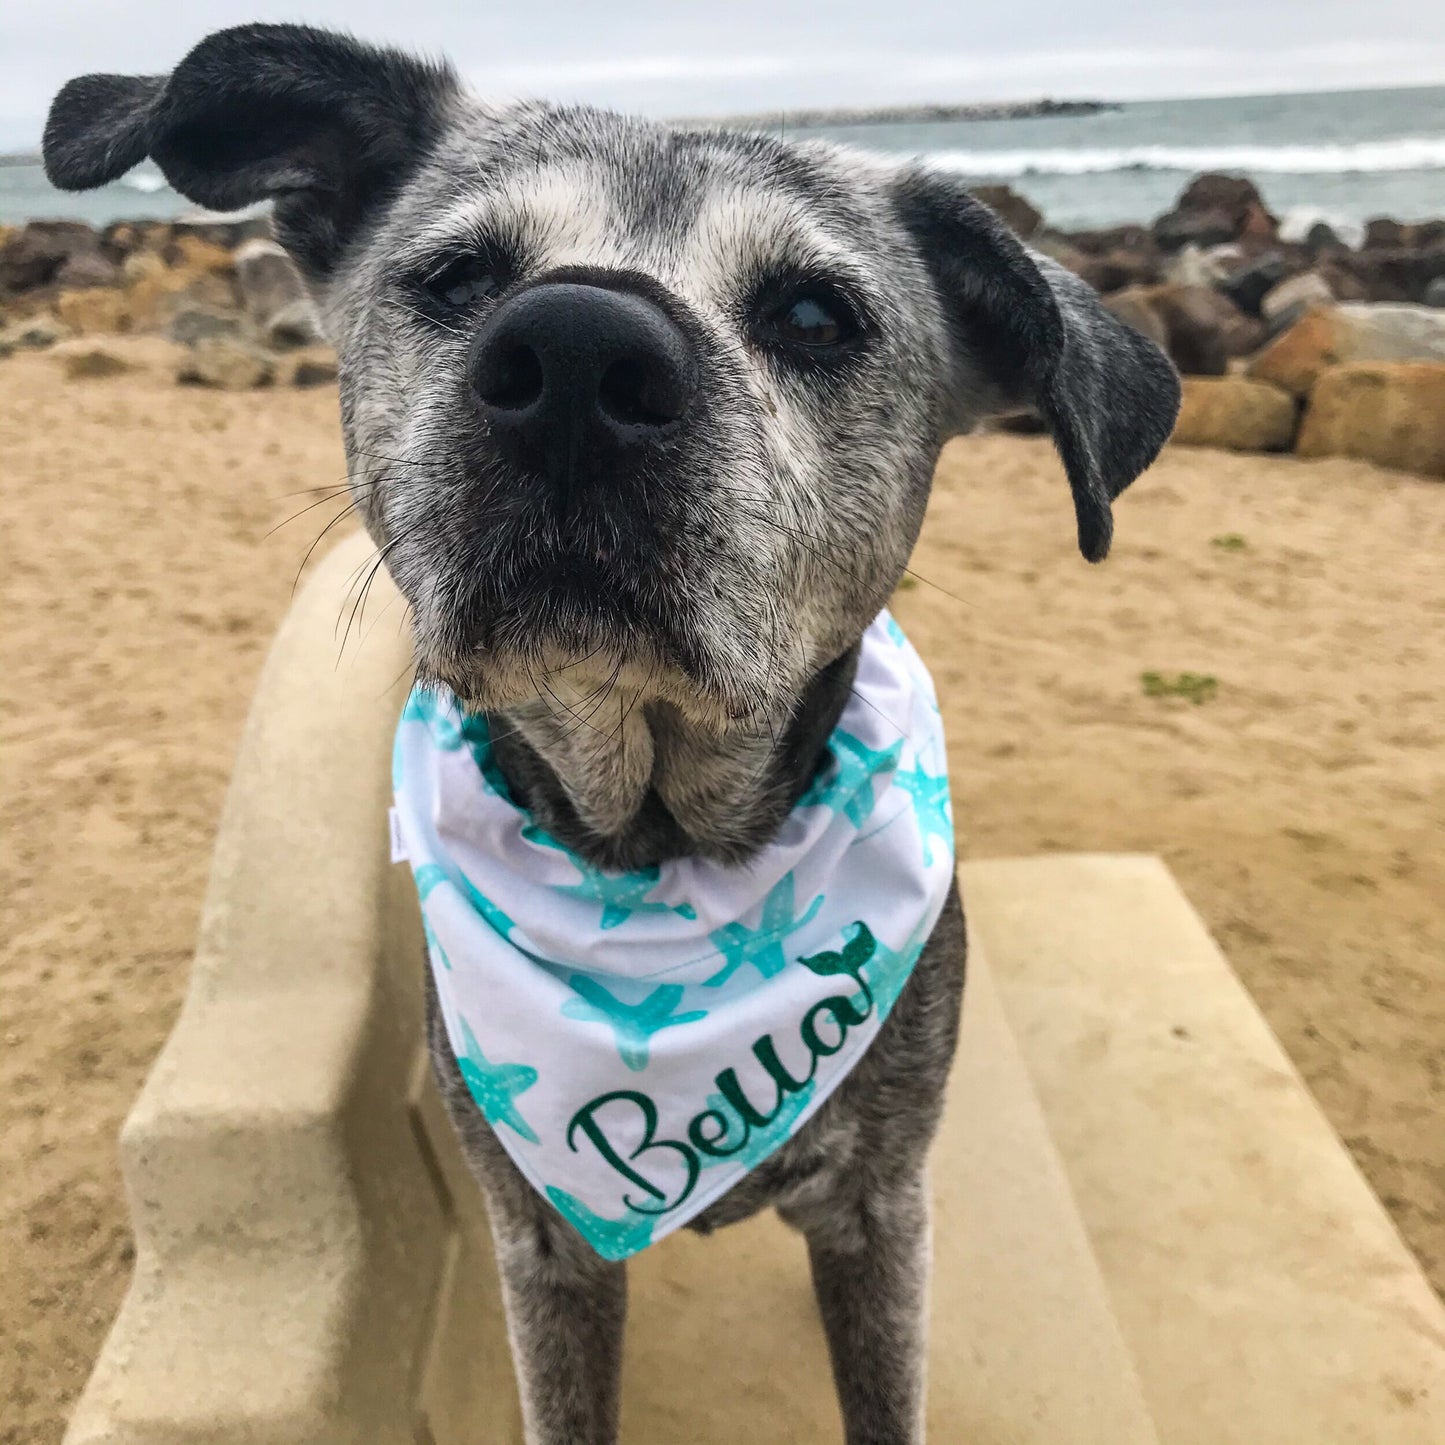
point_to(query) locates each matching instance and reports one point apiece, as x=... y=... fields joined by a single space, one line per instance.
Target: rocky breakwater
x=211 y=303
x=1287 y=342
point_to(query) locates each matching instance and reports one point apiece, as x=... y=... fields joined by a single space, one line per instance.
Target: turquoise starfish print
x=620 y=894
x=761 y=1142
x=847 y=786
x=633 y=1023
x=611 y=1238
x=471 y=732
x=930 y=806
x=495 y=1087
x=429 y=875
x=888 y=970
x=761 y=946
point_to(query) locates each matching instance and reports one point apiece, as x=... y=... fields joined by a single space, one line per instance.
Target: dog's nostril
x=514 y=380
x=642 y=393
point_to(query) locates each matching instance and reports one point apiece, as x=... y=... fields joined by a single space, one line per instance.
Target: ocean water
x=1343 y=156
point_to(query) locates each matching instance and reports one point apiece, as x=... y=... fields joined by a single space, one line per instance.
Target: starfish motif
x=611 y=1238
x=761 y=1142
x=620 y=894
x=888 y=970
x=429 y=875
x=847 y=787
x=761 y=946
x=930 y=806
x=633 y=1023
x=471 y=732
x=495 y=1086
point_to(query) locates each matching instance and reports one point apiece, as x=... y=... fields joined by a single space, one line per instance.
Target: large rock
x=1435 y=292
x=268 y=280
x=1019 y=214
x=1251 y=283
x=1215 y=208
x=1112 y=238
x=1307 y=289
x=1396 y=273
x=1328 y=336
x=1235 y=413
x=34 y=333
x=88 y=268
x=1204 y=328
x=227 y=365
x=95 y=310
x=1134 y=307
x=35 y=254
x=1392 y=413
x=1118 y=269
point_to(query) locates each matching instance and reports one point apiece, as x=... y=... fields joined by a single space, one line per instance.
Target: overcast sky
x=672 y=57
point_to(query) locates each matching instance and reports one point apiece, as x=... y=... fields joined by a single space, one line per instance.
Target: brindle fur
x=677 y=699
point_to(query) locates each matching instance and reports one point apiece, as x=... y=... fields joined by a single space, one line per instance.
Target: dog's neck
x=653 y=786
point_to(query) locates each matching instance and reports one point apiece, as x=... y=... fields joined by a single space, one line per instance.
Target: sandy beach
x=1301 y=801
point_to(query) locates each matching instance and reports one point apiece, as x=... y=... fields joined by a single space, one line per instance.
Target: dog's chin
x=582 y=633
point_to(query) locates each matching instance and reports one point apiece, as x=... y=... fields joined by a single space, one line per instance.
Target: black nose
x=576 y=380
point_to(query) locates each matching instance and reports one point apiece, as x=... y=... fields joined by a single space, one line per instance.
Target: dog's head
x=623 y=397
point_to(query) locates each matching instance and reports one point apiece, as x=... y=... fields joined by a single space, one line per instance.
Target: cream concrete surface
x=1260 y=1284
x=313 y=1262
x=312 y=1257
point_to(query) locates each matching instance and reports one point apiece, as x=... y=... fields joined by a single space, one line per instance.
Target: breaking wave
x=1407 y=153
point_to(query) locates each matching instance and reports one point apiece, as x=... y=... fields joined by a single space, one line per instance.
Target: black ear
x=321 y=124
x=1027 y=332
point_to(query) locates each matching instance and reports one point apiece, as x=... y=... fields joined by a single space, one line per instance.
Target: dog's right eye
x=464 y=282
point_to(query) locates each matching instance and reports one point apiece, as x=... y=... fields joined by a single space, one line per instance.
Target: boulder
x=267 y=279
x=294 y=325
x=314 y=366
x=35 y=253
x=1307 y=289
x=197 y=255
x=1113 y=238
x=1435 y=292
x=1391 y=413
x=160 y=292
x=1192 y=266
x=95 y=310
x=33 y=334
x=1134 y=308
x=227 y=235
x=1213 y=209
x=86 y=269
x=1329 y=336
x=191 y=325
x=1118 y=269
x=1382 y=231
x=1236 y=414
x=1204 y=328
x=1248 y=286
x=1018 y=214
x=226 y=364
x=1322 y=237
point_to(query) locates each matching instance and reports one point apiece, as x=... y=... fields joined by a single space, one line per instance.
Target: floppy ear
x=321 y=124
x=1024 y=331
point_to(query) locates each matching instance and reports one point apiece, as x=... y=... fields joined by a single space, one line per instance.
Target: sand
x=1302 y=804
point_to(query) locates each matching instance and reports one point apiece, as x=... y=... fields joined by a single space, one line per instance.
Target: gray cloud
x=666 y=57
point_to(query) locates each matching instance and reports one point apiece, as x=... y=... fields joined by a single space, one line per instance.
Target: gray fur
x=663 y=665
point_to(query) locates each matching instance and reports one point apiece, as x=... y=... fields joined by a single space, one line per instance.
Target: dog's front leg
x=565 y=1314
x=870 y=1262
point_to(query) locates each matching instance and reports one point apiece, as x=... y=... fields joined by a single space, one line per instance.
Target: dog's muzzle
x=578 y=383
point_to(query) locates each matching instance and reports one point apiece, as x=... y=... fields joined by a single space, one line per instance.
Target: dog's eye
x=464 y=282
x=815 y=319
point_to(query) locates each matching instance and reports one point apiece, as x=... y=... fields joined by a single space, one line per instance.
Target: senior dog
x=643 y=422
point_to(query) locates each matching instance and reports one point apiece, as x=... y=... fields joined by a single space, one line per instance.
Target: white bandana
x=640 y=1041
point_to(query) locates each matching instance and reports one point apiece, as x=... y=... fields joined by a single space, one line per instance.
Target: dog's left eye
x=464 y=282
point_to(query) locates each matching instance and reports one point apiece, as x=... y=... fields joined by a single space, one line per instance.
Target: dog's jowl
x=643 y=422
